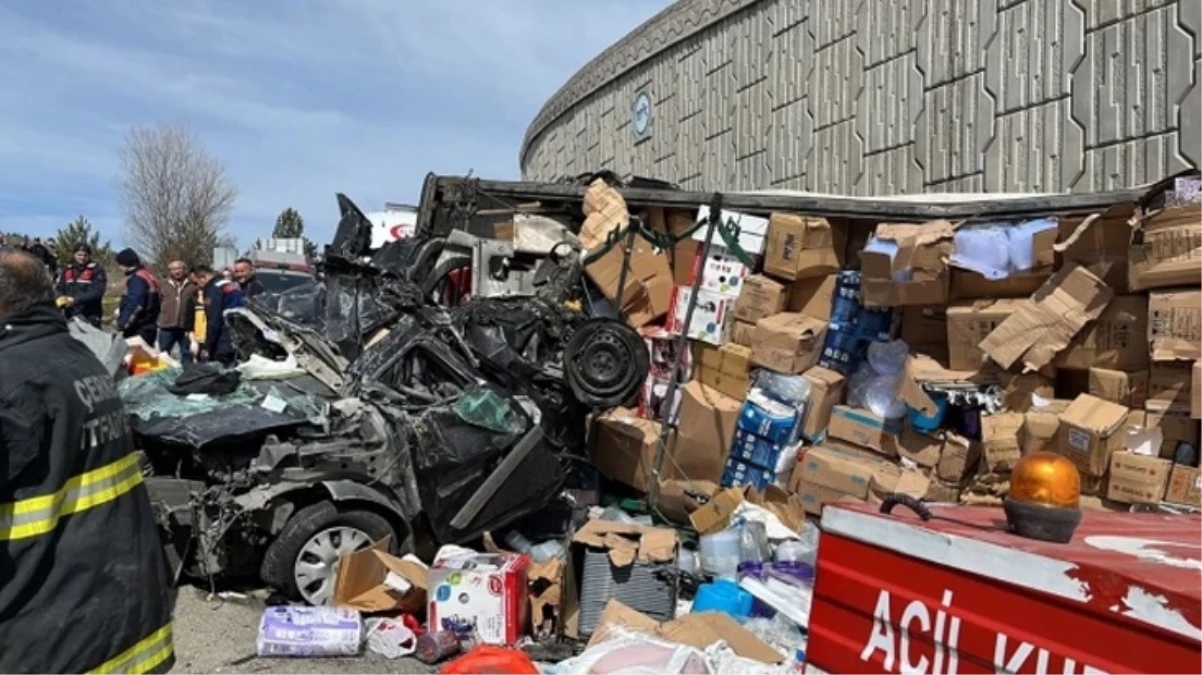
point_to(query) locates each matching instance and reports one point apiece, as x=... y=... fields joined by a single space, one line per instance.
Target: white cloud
x=301 y=100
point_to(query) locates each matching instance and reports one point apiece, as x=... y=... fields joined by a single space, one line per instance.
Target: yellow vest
x=200 y=324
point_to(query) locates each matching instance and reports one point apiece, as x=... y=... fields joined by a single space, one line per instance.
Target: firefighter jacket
x=86 y=285
x=84 y=585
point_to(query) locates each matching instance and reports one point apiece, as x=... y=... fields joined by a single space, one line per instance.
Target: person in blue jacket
x=138 y=314
x=217 y=295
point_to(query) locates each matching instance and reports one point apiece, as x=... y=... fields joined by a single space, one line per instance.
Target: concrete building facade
x=878 y=97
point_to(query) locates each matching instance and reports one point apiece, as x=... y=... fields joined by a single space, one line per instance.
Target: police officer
x=84 y=584
x=138 y=314
x=211 y=332
x=81 y=287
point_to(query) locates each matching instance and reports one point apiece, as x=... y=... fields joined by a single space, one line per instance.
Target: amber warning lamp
x=1045 y=498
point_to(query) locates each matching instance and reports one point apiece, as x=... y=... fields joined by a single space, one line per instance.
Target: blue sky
x=299 y=98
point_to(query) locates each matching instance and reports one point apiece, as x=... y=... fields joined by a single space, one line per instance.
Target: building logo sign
x=641 y=115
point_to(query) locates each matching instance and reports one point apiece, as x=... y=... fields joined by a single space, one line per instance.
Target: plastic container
x=686 y=560
x=719 y=554
x=434 y=647
x=888 y=358
x=518 y=542
x=543 y=552
x=753 y=543
x=926 y=424
x=723 y=595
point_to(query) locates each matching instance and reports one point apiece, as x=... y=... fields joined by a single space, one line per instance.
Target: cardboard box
x=925 y=330
x=1195 y=399
x=675 y=222
x=1169 y=388
x=1116 y=386
x=1000 y=446
x=711 y=316
x=826 y=391
x=1041 y=425
x=968 y=324
x=942 y=493
x=1099 y=243
x=861 y=427
x=1177 y=428
x=1045 y=326
x=741 y=333
x=484 y=590
x=626 y=542
x=1136 y=479
x=1185 y=486
x=788 y=343
x=849 y=473
x=1175 y=325
x=374 y=580
x=1090 y=432
x=814 y=297
x=698 y=630
x=715 y=515
x=922 y=253
x=958 y=460
x=968 y=285
x=726 y=368
x=1116 y=340
x=762 y=297
x=704 y=433
x=722 y=272
x=801 y=248
x=1019 y=392
x=919 y=448
x=752 y=229
x=1166 y=249
x=622 y=446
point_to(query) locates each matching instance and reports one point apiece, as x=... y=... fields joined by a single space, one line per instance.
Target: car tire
x=306 y=530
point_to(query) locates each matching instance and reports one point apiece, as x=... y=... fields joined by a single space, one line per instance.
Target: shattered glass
x=486 y=408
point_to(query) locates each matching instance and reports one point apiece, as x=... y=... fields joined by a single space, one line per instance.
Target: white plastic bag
x=389 y=638
x=635 y=654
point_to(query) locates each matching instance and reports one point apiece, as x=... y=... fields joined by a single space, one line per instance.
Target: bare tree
x=176 y=196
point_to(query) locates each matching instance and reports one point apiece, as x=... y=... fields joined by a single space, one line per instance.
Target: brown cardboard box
x=1136 y=479
x=1116 y=340
x=861 y=427
x=374 y=580
x=1090 y=432
x=762 y=297
x=1040 y=426
x=716 y=514
x=1195 y=399
x=1177 y=428
x=742 y=333
x=968 y=323
x=1169 y=388
x=968 y=285
x=622 y=446
x=1185 y=486
x=788 y=342
x=675 y=222
x=628 y=542
x=1092 y=503
x=1166 y=249
x=704 y=433
x=910 y=482
x=999 y=441
x=848 y=472
x=923 y=250
x=813 y=496
x=826 y=391
x=1019 y=391
x=1116 y=386
x=920 y=448
x=1175 y=325
x=1043 y=327
x=801 y=248
x=1100 y=244
x=925 y=330
x=698 y=630
x=726 y=368
x=814 y=297
x=958 y=460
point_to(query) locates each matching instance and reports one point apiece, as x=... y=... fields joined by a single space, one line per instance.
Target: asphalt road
x=218 y=636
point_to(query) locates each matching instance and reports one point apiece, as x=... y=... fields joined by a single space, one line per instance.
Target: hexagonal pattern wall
x=878 y=97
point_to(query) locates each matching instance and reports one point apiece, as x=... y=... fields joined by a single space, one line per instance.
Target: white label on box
x=1198 y=483
x=1078 y=439
x=397 y=582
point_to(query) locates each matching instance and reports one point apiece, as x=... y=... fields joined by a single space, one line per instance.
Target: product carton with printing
x=1185 y=486
x=1117 y=386
x=1166 y=249
x=862 y=428
x=788 y=343
x=711 y=315
x=907 y=264
x=1100 y=243
x=801 y=247
x=1116 y=340
x=826 y=391
x=760 y=298
x=1169 y=388
x=969 y=323
x=703 y=436
x=622 y=446
x=813 y=297
x=1136 y=479
x=1175 y=325
x=722 y=272
x=752 y=229
x=1090 y=431
x=726 y=368
x=482 y=591
x=1043 y=327
x=999 y=441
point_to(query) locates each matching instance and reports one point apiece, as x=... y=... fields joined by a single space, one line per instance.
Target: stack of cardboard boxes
x=1081 y=332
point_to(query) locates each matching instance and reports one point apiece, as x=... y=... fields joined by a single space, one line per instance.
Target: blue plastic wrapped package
x=771 y=419
x=738 y=474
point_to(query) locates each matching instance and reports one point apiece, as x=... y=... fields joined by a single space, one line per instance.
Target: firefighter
x=210 y=330
x=81 y=287
x=138 y=314
x=84 y=585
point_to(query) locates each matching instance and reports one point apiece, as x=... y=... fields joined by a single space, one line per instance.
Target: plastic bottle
x=720 y=553
x=434 y=647
x=753 y=543
x=518 y=542
x=543 y=552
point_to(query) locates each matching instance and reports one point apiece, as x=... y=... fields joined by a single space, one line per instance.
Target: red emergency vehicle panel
x=896 y=594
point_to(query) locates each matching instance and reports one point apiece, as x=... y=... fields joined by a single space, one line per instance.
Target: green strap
x=729 y=231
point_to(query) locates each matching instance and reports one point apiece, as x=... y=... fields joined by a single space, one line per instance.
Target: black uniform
x=86 y=284
x=83 y=582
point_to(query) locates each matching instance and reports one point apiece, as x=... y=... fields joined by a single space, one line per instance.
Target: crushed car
x=365 y=408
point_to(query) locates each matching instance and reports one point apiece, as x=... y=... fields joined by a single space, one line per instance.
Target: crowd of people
x=183 y=312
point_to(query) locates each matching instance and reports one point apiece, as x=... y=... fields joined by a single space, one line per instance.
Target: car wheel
x=303 y=559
